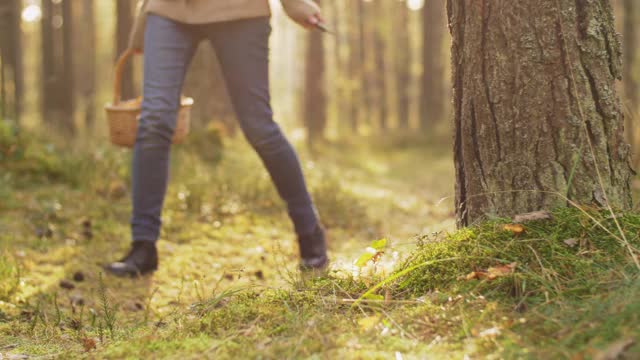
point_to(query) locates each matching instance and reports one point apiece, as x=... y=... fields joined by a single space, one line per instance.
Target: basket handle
x=119 y=70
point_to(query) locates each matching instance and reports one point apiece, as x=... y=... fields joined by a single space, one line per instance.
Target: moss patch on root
x=575 y=253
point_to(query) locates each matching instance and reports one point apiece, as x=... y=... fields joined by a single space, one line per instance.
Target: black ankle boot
x=141 y=259
x=313 y=250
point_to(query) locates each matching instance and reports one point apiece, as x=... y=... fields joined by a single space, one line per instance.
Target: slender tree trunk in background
x=212 y=99
x=534 y=86
x=86 y=65
x=5 y=12
x=380 y=64
x=315 y=97
x=403 y=63
x=434 y=94
x=367 y=66
x=355 y=64
x=57 y=70
x=339 y=83
x=124 y=22
x=17 y=58
x=11 y=61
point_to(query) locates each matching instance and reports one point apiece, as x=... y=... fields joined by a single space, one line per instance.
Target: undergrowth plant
x=566 y=256
x=9 y=275
x=109 y=312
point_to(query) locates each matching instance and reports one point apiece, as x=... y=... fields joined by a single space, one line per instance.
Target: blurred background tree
x=365 y=79
x=386 y=70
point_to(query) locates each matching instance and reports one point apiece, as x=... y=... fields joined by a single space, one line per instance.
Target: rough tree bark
x=536 y=110
x=315 y=97
x=434 y=94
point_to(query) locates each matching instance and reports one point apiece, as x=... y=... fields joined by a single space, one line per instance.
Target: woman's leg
x=168 y=49
x=243 y=50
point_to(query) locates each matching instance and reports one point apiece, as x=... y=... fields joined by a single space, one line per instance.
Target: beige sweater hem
x=212 y=11
x=187 y=15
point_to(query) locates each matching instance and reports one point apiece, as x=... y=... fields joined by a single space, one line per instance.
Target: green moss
x=546 y=265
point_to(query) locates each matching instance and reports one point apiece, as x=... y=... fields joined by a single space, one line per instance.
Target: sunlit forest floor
x=227 y=286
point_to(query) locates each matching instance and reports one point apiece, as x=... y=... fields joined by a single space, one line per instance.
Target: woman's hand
x=314 y=20
x=305 y=12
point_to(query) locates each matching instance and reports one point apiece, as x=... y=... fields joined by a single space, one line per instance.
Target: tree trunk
x=537 y=117
x=17 y=58
x=3 y=86
x=434 y=94
x=365 y=101
x=355 y=65
x=367 y=30
x=57 y=61
x=380 y=72
x=315 y=97
x=403 y=64
x=213 y=103
x=124 y=22
x=86 y=65
x=11 y=72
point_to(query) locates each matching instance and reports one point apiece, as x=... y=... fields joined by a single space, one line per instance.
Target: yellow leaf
x=492 y=273
x=517 y=229
x=474 y=275
x=499 y=271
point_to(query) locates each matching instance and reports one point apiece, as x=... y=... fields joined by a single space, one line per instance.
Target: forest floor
x=227 y=286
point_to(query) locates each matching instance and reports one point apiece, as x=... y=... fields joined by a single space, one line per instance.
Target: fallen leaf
x=66 y=284
x=377 y=256
x=474 y=275
x=499 y=271
x=571 y=242
x=88 y=344
x=615 y=350
x=517 y=229
x=532 y=216
x=492 y=273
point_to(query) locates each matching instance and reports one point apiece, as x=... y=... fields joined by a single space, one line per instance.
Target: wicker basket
x=123 y=115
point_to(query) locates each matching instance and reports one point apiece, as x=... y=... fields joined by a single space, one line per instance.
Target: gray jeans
x=243 y=50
